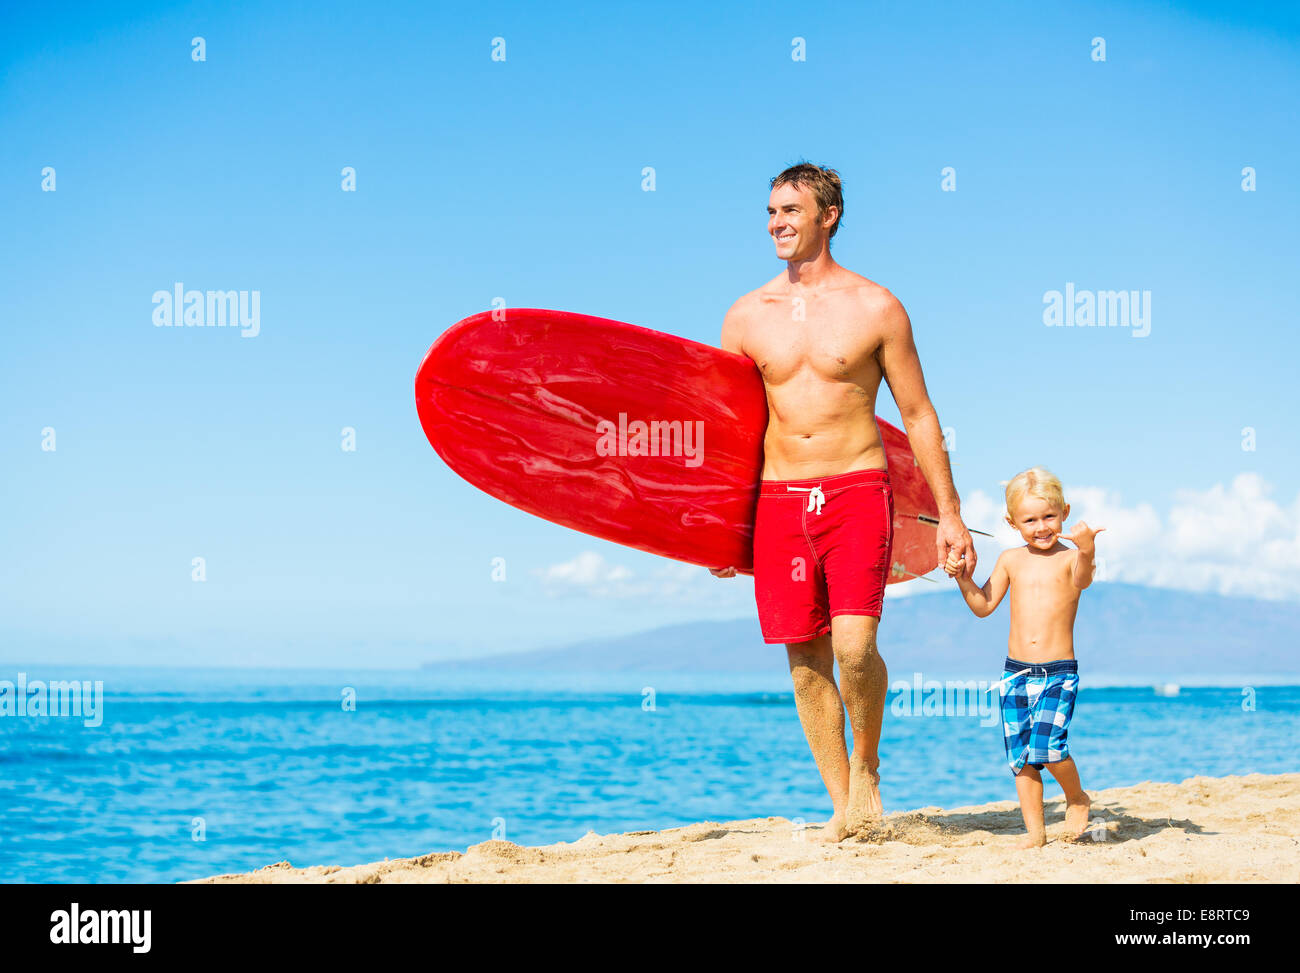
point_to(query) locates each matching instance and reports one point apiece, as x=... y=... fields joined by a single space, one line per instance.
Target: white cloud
x=587 y=570
x=592 y=576
x=1231 y=540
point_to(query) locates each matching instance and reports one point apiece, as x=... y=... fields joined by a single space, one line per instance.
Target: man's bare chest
x=833 y=343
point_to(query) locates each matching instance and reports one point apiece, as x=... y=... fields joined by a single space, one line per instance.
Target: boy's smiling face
x=1039 y=522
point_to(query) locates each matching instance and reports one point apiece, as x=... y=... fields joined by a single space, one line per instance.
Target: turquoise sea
x=199 y=772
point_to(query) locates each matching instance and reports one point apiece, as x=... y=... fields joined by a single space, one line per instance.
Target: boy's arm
x=983 y=601
x=1084 y=566
x=1083 y=569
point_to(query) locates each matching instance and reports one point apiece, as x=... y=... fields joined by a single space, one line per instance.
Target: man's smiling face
x=793 y=222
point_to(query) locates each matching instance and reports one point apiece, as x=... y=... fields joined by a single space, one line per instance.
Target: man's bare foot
x=833 y=830
x=1033 y=840
x=1076 y=818
x=864 y=805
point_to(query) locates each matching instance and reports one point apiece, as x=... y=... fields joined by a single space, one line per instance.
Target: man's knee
x=857 y=650
x=810 y=660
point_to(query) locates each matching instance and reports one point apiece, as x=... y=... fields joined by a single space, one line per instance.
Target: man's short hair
x=824 y=184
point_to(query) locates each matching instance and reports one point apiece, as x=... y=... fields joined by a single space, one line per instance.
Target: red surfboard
x=627 y=434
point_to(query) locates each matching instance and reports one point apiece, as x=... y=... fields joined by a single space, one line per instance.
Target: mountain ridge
x=1121 y=628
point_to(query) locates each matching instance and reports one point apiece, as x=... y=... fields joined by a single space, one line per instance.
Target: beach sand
x=1206 y=829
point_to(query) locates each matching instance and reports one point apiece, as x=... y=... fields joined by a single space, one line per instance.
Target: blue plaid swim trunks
x=1037 y=703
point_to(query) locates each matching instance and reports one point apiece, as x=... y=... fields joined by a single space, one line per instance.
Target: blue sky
x=521 y=179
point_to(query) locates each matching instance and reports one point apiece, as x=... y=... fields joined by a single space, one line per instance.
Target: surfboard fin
x=898 y=571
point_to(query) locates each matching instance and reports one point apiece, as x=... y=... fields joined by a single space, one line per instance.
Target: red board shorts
x=821 y=549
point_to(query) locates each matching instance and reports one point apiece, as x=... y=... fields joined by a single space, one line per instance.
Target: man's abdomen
x=804 y=455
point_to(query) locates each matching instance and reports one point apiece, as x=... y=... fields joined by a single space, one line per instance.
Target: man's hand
x=723 y=572
x=952 y=537
x=1083 y=537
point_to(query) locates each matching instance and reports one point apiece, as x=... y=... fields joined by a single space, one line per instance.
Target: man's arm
x=733 y=330
x=732 y=340
x=901 y=366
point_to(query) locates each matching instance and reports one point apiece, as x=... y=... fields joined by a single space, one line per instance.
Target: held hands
x=723 y=572
x=953 y=566
x=1083 y=537
x=953 y=539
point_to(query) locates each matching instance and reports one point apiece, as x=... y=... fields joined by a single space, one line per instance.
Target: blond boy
x=1041 y=677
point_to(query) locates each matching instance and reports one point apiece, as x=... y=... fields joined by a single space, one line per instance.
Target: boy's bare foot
x=1032 y=840
x=833 y=830
x=1076 y=818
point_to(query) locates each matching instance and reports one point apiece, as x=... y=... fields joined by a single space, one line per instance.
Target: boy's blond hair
x=1035 y=482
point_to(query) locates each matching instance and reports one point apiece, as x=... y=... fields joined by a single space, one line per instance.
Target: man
x=823 y=337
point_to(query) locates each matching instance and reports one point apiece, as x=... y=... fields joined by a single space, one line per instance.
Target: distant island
x=1126 y=634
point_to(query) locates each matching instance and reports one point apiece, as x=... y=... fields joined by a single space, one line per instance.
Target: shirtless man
x=823 y=337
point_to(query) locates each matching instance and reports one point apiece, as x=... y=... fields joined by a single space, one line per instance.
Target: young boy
x=1041 y=676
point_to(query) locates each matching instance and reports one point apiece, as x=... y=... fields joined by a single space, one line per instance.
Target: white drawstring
x=815 y=496
x=1006 y=681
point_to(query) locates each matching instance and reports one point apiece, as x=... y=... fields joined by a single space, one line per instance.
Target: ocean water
x=198 y=772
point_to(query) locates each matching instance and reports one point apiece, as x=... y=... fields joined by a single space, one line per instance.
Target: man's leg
x=812 y=670
x=864 y=684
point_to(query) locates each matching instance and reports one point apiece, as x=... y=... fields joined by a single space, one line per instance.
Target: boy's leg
x=1029 y=787
x=1077 y=801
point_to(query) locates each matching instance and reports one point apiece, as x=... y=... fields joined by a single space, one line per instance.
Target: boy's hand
x=954 y=565
x=1084 y=537
x=723 y=572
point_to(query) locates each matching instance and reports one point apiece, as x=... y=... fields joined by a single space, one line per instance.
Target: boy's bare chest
x=1043 y=581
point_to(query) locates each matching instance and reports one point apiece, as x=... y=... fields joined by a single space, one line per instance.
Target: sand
x=1205 y=829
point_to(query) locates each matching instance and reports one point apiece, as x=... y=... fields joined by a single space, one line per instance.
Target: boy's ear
x=1010 y=522
x=1065 y=515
